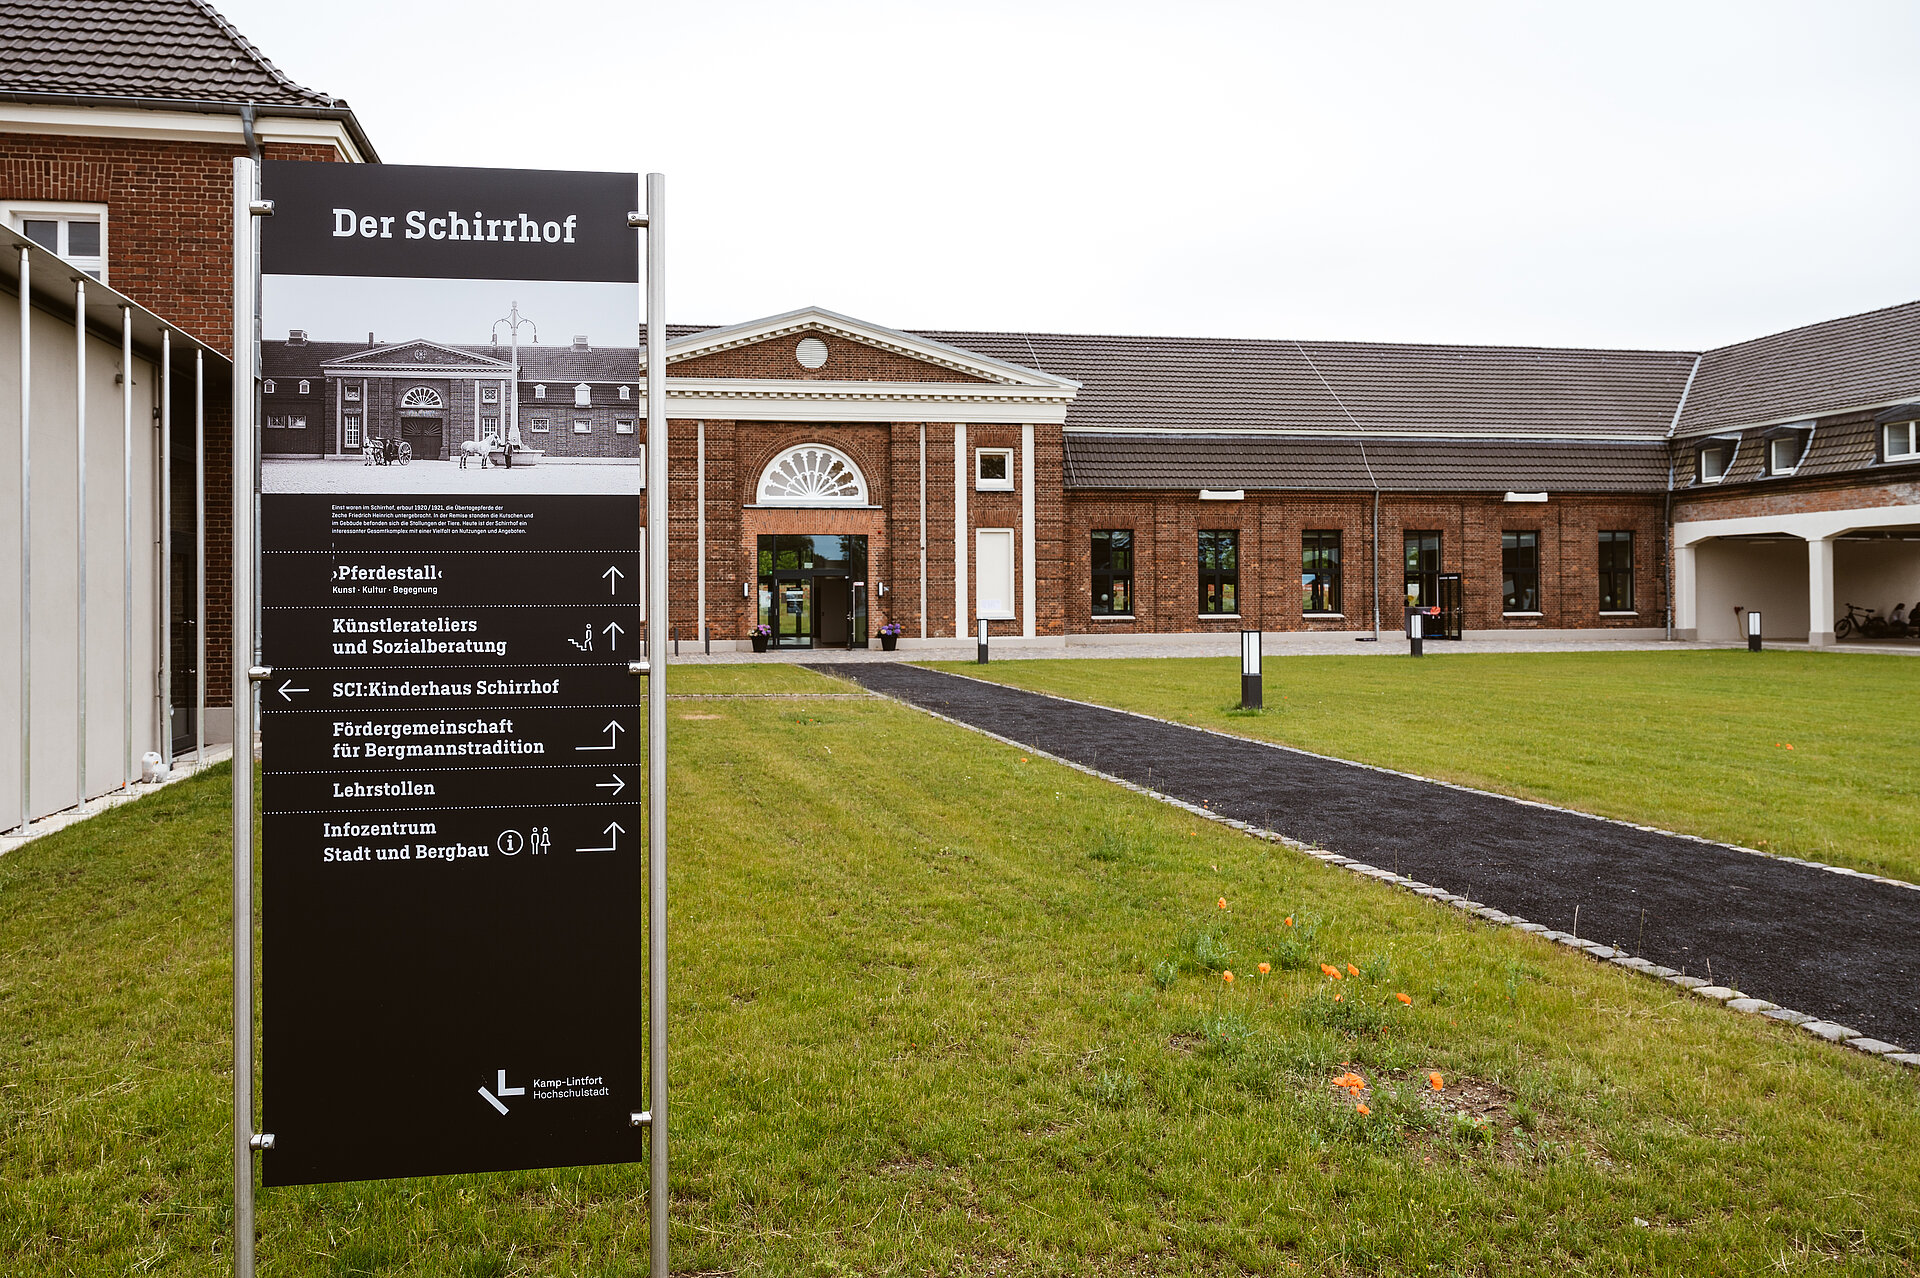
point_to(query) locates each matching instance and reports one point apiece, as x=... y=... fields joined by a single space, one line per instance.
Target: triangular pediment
x=418 y=354
x=906 y=357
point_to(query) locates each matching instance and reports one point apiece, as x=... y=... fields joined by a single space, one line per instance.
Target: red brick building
x=119 y=124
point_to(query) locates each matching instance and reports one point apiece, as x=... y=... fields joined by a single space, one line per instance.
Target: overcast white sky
x=1616 y=173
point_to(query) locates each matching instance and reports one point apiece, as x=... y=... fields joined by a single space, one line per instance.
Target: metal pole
x=700 y=530
x=26 y=542
x=656 y=626
x=200 y=558
x=126 y=545
x=80 y=541
x=245 y=180
x=923 y=530
x=163 y=610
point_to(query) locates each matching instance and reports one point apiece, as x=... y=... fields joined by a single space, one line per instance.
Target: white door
x=993 y=572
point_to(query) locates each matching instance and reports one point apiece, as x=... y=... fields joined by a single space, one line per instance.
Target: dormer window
x=626 y=392
x=1716 y=459
x=1900 y=441
x=306 y=387
x=582 y=395
x=1784 y=452
x=539 y=391
x=267 y=387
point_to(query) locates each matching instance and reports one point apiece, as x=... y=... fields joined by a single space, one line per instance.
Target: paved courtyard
x=353 y=475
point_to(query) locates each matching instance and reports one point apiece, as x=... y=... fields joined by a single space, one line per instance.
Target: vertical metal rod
x=26 y=541
x=200 y=558
x=163 y=610
x=80 y=540
x=126 y=545
x=245 y=302
x=656 y=626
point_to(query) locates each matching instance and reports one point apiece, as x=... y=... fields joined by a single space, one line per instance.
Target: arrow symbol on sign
x=613 y=576
x=616 y=785
x=613 y=730
x=287 y=687
x=613 y=832
x=612 y=631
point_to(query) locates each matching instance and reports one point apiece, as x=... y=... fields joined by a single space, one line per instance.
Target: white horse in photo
x=482 y=448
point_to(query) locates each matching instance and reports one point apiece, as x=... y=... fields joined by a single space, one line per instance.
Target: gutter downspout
x=246 y=130
x=1673 y=427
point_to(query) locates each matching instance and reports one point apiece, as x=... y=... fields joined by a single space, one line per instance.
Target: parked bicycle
x=1868 y=621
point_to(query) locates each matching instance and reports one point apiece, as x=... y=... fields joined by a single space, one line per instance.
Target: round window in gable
x=811 y=352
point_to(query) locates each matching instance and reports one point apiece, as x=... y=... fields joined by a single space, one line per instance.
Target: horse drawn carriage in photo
x=385 y=452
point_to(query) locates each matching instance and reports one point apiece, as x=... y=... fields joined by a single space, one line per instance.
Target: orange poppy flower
x=1351 y=1081
x=1404 y=999
x=1265 y=968
x=1352 y=970
x=1361 y=1109
x=1223 y=902
x=1227 y=977
x=1435 y=1081
x=1330 y=970
x=1339 y=998
x=1289 y=920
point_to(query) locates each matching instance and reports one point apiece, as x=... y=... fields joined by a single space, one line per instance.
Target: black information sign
x=454 y=847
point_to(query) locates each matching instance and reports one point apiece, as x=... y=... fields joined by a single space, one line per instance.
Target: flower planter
x=889 y=642
x=759 y=643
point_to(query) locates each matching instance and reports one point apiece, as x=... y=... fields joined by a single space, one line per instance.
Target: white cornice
x=817 y=319
x=752 y=400
x=174 y=126
x=1262 y=432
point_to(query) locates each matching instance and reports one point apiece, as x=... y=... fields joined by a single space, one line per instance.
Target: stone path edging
x=1825 y=1030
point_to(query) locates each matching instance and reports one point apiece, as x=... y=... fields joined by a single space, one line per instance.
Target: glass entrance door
x=793 y=612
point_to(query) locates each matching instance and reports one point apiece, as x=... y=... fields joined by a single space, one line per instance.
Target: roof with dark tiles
x=1299 y=464
x=1343 y=388
x=175 y=49
x=1816 y=370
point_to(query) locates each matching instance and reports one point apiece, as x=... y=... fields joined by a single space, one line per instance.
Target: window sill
x=1323 y=616
x=1523 y=615
x=993 y=488
x=1113 y=616
x=1619 y=614
x=1219 y=616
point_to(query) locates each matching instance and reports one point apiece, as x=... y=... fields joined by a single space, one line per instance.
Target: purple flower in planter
x=762 y=631
x=891 y=630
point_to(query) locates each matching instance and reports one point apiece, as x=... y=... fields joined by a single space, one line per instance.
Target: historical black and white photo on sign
x=390 y=385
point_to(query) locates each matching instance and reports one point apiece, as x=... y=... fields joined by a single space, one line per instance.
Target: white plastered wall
x=55 y=635
x=1768 y=575
x=1876 y=574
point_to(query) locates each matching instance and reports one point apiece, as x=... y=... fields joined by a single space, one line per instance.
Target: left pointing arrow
x=287 y=689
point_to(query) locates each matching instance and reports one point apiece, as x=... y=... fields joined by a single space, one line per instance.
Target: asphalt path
x=1840 y=948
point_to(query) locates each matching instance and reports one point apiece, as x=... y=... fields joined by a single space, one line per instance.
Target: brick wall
x=170 y=248
x=1166 y=528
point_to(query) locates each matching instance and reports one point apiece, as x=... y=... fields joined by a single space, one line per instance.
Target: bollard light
x=1250 y=670
x=1415 y=629
x=980 y=655
x=1753 y=632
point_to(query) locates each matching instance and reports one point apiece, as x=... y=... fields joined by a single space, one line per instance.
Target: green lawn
x=942 y=1008
x=1805 y=754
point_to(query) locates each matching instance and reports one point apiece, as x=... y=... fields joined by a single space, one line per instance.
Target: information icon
x=509 y=842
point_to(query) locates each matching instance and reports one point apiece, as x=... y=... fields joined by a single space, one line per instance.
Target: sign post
x=1753 y=631
x=455 y=681
x=1416 y=628
x=1250 y=695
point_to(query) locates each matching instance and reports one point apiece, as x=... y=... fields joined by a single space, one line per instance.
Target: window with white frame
x=582 y=426
x=306 y=387
x=623 y=426
x=266 y=387
x=296 y=421
x=1716 y=459
x=489 y=394
x=1785 y=451
x=1899 y=441
x=993 y=469
x=77 y=232
x=350 y=430
x=276 y=422
x=582 y=395
x=811 y=475
x=489 y=424
x=626 y=392
x=539 y=425
x=539 y=391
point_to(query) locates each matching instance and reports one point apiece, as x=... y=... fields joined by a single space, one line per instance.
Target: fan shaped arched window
x=421 y=397
x=812 y=475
